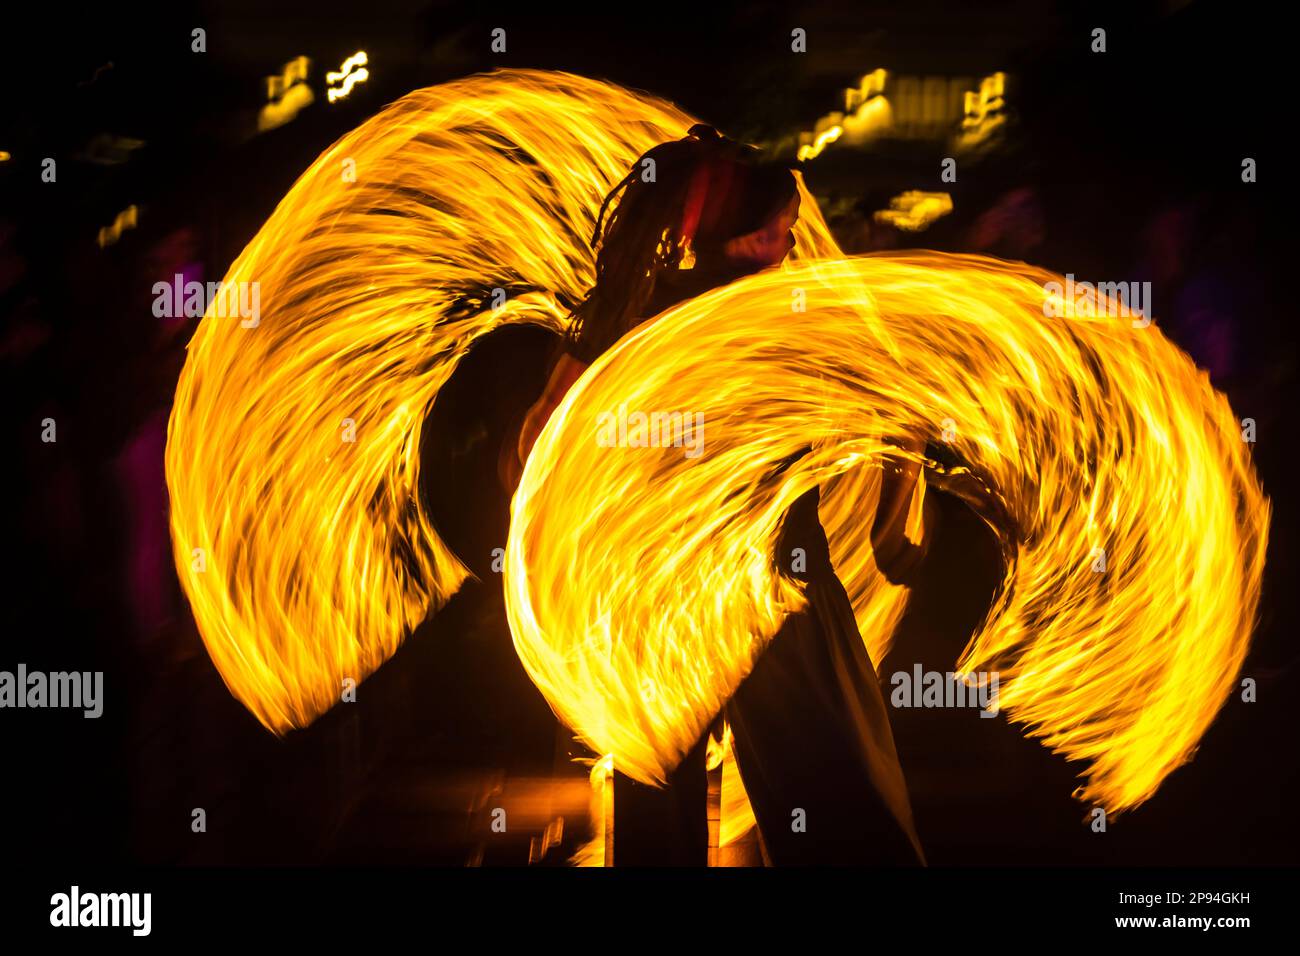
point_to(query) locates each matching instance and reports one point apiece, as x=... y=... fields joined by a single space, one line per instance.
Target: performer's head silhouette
x=706 y=203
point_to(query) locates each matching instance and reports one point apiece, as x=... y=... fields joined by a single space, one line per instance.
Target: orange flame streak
x=317 y=557
x=640 y=581
x=737 y=814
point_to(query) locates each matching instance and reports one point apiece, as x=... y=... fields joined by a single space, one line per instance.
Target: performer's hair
x=706 y=189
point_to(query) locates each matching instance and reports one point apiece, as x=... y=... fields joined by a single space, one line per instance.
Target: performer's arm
x=896 y=556
x=566 y=372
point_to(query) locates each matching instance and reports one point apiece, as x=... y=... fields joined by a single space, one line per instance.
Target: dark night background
x=1123 y=165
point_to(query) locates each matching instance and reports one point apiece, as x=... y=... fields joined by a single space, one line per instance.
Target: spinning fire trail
x=640 y=583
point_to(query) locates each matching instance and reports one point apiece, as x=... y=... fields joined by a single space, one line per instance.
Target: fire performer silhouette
x=811 y=732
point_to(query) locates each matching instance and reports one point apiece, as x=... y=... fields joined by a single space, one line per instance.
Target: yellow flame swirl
x=640 y=583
